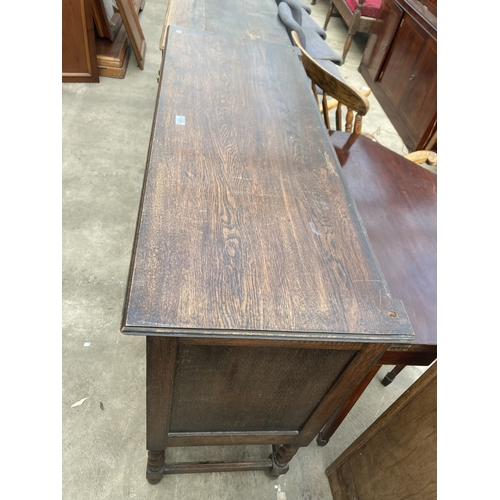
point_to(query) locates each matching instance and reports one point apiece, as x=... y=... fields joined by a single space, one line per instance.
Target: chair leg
x=347 y=46
x=389 y=378
x=328 y=14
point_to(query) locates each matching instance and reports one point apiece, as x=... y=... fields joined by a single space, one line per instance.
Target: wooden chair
x=359 y=15
x=333 y=86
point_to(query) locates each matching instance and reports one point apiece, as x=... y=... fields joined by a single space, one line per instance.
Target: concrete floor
x=105 y=138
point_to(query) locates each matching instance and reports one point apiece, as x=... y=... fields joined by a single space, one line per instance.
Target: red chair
x=359 y=15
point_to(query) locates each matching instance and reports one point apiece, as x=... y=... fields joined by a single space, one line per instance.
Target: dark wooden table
x=397 y=201
x=255 y=19
x=251 y=276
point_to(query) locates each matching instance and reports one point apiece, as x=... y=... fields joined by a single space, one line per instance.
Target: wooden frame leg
x=333 y=424
x=280 y=457
x=154 y=470
x=347 y=46
x=362 y=368
x=161 y=354
x=364 y=365
x=339 y=397
x=389 y=378
x=328 y=14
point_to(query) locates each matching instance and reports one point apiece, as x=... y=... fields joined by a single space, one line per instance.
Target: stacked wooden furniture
x=400 y=66
x=94 y=44
x=251 y=278
x=396 y=457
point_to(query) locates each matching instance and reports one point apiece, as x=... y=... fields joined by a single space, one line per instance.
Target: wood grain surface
x=255 y=19
x=245 y=226
x=397 y=200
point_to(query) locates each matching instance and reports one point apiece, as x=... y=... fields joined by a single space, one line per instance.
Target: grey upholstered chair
x=311 y=35
x=301 y=15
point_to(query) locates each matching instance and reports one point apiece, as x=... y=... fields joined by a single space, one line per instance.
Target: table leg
x=154 y=470
x=389 y=378
x=332 y=425
x=357 y=374
x=280 y=457
x=161 y=353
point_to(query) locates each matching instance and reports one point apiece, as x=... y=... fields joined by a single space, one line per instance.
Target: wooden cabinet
x=400 y=66
x=79 y=62
x=85 y=54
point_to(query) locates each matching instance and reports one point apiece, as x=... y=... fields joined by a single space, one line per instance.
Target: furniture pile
x=97 y=36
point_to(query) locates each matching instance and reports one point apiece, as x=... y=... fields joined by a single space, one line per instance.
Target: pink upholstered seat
x=369 y=9
x=359 y=15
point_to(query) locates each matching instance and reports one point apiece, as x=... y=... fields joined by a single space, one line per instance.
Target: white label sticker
x=180 y=120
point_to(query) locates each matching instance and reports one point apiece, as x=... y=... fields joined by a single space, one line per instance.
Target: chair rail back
x=339 y=90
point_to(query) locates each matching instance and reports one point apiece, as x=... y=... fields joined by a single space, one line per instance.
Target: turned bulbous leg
x=280 y=458
x=154 y=471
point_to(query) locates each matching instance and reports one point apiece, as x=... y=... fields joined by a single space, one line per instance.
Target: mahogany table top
x=397 y=201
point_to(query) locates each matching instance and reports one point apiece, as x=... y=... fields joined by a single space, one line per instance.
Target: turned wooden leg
x=328 y=15
x=389 y=378
x=161 y=354
x=280 y=458
x=347 y=46
x=154 y=471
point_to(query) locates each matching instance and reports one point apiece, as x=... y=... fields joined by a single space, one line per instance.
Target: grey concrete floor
x=105 y=137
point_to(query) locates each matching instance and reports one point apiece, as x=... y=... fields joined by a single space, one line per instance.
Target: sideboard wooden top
x=245 y=226
x=255 y=19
